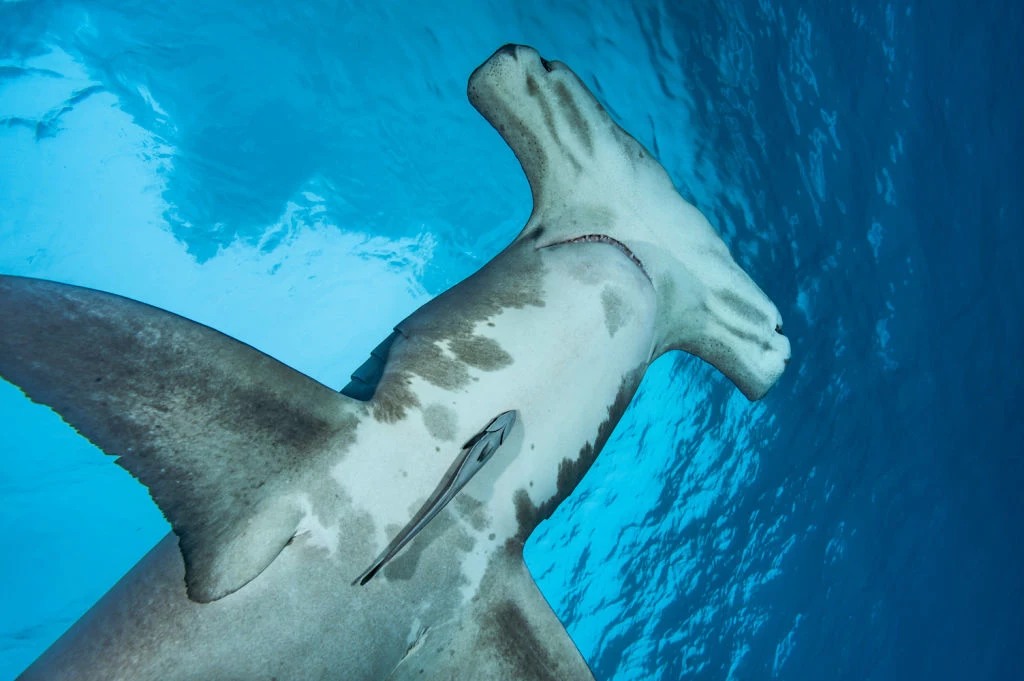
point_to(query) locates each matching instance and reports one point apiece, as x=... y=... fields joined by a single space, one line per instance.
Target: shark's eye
x=546 y=64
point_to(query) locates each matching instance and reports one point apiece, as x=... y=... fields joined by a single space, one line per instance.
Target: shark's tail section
x=219 y=432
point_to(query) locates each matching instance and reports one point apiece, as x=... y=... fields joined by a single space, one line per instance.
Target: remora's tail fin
x=509 y=633
x=218 y=431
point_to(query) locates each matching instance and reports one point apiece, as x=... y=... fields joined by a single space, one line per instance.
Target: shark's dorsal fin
x=219 y=432
x=477 y=451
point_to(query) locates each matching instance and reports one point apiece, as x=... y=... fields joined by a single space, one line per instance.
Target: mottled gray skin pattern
x=476 y=299
x=302 y=599
x=281 y=491
x=129 y=376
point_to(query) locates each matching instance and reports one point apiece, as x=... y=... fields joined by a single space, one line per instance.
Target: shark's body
x=284 y=495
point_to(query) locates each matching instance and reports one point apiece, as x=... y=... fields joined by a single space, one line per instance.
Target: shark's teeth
x=604 y=239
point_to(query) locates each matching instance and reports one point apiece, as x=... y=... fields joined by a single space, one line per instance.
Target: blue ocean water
x=301 y=175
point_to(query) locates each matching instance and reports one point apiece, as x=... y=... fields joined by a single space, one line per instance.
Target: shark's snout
x=508 y=66
x=508 y=49
x=771 y=364
x=547 y=116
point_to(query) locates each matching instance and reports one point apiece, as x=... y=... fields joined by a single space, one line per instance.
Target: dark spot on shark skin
x=549 y=121
x=571 y=158
x=531 y=86
x=513 y=279
x=255 y=410
x=394 y=394
x=526 y=518
x=614 y=311
x=545 y=110
x=507 y=630
x=536 y=233
x=437 y=368
x=576 y=119
x=440 y=421
x=443 y=529
x=511 y=632
x=571 y=471
x=393 y=397
x=472 y=511
x=742 y=307
x=481 y=353
x=749 y=337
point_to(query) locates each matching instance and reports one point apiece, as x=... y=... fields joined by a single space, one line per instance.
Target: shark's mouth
x=604 y=239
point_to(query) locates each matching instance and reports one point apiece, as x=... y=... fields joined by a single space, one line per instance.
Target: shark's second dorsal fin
x=219 y=432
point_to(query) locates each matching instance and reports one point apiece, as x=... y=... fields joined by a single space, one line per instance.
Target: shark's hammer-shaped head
x=591 y=181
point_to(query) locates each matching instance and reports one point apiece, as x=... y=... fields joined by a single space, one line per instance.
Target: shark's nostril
x=546 y=64
x=778 y=329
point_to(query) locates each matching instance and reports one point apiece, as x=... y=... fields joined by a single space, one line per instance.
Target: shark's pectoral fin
x=509 y=633
x=219 y=432
x=477 y=451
